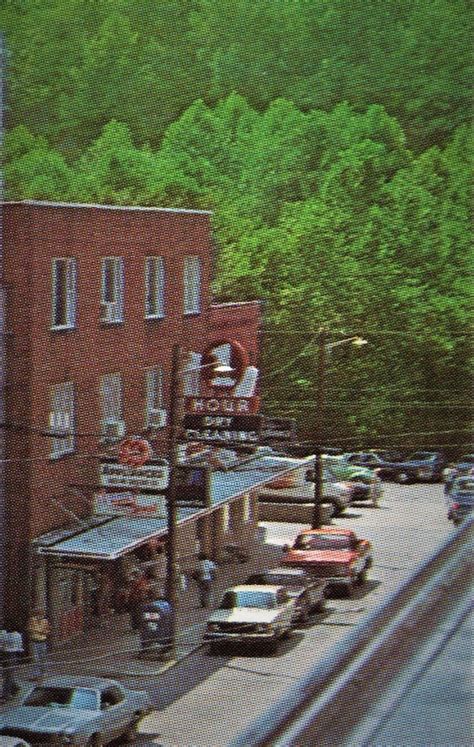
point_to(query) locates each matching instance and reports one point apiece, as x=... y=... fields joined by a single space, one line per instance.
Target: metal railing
x=326 y=704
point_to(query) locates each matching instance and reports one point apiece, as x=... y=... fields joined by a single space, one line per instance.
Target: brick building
x=96 y=296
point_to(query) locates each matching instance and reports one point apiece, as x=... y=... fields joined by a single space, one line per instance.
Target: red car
x=334 y=554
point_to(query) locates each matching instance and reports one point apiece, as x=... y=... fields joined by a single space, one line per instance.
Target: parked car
x=307 y=591
x=251 y=614
x=79 y=711
x=465 y=465
x=461 y=499
x=340 y=493
x=367 y=485
x=331 y=553
x=422 y=466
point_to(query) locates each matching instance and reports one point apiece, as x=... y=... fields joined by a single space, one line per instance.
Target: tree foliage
x=332 y=145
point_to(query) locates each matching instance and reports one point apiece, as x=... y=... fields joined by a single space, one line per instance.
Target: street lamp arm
x=356 y=340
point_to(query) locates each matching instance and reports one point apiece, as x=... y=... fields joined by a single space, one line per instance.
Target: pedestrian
x=139 y=595
x=205 y=575
x=38 y=632
x=11 y=647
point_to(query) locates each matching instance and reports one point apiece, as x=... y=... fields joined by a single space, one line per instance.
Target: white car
x=251 y=614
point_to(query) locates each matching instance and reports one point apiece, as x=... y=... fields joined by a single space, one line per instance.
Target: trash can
x=155 y=627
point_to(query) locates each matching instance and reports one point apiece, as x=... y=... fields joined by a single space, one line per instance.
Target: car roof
x=256 y=587
x=283 y=571
x=96 y=683
x=329 y=530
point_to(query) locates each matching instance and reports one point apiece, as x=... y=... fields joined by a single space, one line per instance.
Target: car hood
x=45 y=719
x=244 y=614
x=318 y=556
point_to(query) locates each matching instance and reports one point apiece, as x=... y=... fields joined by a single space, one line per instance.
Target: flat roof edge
x=98 y=206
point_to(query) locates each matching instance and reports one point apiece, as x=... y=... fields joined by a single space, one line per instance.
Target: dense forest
x=332 y=141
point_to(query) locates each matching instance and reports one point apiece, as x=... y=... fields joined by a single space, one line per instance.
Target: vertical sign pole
x=2 y=356
x=318 y=465
x=175 y=425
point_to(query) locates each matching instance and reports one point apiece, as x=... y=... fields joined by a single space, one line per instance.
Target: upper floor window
x=64 y=293
x=192 y=285
x=61 y=419
x=154 y=287
x=155 y=415
x=113 y=426
x=112 y=289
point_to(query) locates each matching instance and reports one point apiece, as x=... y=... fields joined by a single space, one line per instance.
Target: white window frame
x=225 y=518
x=61 y=418
x=246 y=508
x=112 y=290
x=111 y=397
x=154 y=287
x=154 y=379
x=192 y=284
x=64 y=318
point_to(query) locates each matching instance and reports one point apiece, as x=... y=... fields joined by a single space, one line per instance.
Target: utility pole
x=319 y=431
x=176 y=403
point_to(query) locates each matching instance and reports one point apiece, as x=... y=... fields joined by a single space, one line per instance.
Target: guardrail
x=343 y=685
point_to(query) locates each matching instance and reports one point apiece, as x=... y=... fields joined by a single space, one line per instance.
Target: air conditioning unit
x=108 y=311
x=157 y=418
x=113 y=429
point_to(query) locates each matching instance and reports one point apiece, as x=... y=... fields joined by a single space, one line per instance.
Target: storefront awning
x=117 y=536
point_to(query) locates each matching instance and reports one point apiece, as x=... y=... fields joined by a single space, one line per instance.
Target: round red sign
x=134 y=452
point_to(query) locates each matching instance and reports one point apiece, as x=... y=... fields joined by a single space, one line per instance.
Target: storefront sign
x=222 y=429
x=193 y=485
x=149 y=477
x=279 y=429
x=129 y=504
x=222 y=405
x=134 y=452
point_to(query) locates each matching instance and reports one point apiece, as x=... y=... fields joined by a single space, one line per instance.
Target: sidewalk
x=113 y=650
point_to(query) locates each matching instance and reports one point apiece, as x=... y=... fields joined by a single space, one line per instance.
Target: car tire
x=96 y=741
x=403 y=478
x=320 y=606
x=215 y=648
x=304 y=613
x=131 y=733
x=362 y=577
x=338 y=509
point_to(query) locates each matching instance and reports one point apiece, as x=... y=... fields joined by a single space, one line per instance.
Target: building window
x=246 y=515
x=63 y=293
x=155 y=415
x=113 y=426
x=111 y=301
x=192 y=285
x=61 y=419
x=192 y=375
x=154 y=287
x=225 y=517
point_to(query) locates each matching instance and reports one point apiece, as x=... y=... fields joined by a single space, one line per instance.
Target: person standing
x=205 y=576
x=38 y=632
x=11 y=647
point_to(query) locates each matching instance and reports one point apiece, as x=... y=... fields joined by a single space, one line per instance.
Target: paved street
x=206 y=700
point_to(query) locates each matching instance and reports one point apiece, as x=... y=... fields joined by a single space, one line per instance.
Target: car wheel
x=95 y=741
x=132 y=732
x=215 y=648
x=350 y=589
x=403 y=478
x=338 y=509
x=320 y=606
x=362 y=577
x=304 y=612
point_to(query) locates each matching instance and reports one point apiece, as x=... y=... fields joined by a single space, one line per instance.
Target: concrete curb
x=149 y=672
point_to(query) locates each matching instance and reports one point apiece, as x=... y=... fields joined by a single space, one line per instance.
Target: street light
x=323 y=348
x=176 y=398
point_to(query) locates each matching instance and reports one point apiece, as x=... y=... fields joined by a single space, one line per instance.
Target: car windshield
x=283 y=579
x=323 y=542
x=464 y=486
x=63 y=697
x=419 y=456
x=248 y=598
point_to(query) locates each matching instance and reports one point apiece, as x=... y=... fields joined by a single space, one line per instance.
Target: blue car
x=75 y=711
x=461 y=499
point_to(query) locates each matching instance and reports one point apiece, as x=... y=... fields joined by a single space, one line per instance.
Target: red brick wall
x=39 y=497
